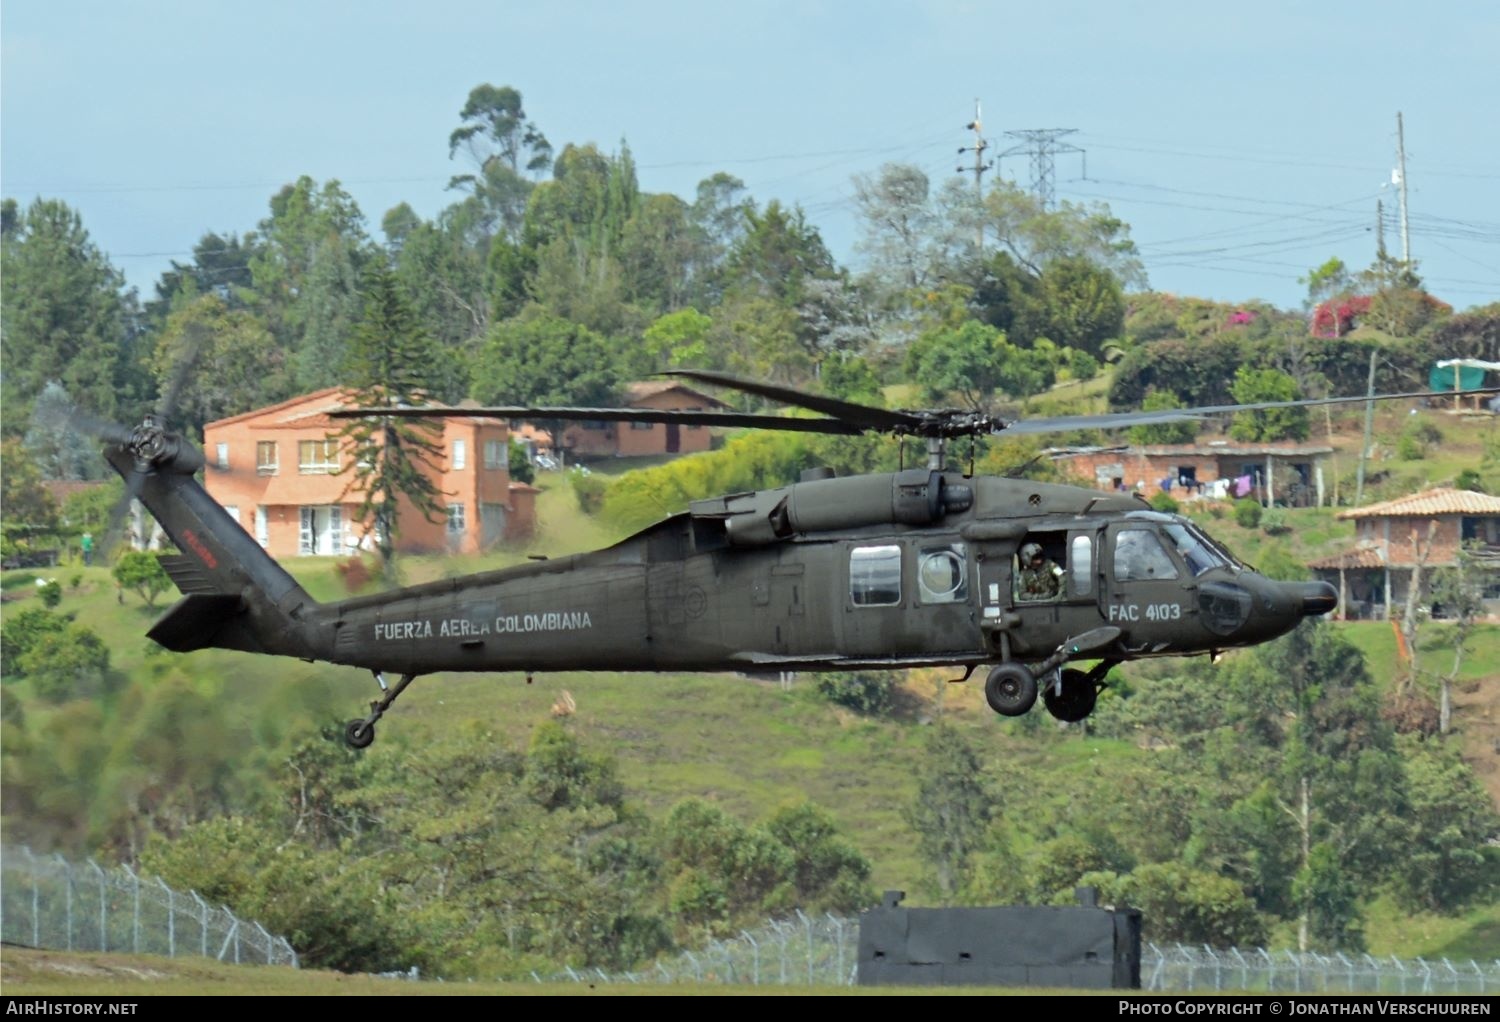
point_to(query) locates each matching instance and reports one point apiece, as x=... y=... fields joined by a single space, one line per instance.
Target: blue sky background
x=1244 y=144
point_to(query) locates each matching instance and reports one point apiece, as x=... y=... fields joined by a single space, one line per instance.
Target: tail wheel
x=358 y=734
x=1075 y=701
x=1010 y=689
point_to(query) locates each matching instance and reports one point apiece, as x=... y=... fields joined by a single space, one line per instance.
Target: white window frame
x=496 y=454
x=221 y=454
x=457 y=520
x=267 y=466
x=460 y=455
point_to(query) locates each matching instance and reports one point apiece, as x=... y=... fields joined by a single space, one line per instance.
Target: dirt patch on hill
x=1476 y=707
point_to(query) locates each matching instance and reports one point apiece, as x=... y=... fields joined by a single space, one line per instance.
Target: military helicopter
x=915 y=568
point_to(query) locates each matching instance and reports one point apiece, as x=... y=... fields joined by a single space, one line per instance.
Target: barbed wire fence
x=48 y=902
x=806 y=951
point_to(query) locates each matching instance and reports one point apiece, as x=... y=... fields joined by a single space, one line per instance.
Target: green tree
x=542 y=359
x=20 y=631
x=1076 y=304
x=307 y=276
x=1253 y=386
x=1185 y=905
x=1449 y=857
x=59 y=448
x=503 y=145
x=141 y=572
x=899 y=229
x=225 y=358
x=69 y=664
x=390 y=362
x=952 y=811
x=1182 y=432
x=68 y=317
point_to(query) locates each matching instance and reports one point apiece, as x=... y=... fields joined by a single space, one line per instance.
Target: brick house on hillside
x=1374 y=576
x=276 y=470
x=1281 y=473
x=637 y=439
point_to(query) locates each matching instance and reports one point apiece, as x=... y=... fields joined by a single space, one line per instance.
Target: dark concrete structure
x=1021 y=945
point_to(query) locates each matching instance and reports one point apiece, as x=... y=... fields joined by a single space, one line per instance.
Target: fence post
x=202 y=924
x=36 y=901
x=754 y=958
x=67 y=898
x=103 y=907
x=171 y=919
x=135 y=908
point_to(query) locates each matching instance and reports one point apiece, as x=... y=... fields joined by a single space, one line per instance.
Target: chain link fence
x=824 y=951
x=48 y=902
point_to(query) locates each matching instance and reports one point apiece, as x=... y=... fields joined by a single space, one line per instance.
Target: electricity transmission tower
x=1041 y=144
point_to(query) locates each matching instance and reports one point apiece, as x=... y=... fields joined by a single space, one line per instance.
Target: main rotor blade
x=865 y=415
x=1117 y=420
x=684 y=417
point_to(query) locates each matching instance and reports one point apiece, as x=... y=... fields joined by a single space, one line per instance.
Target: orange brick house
x=637 y=439
x=1374 y=576
x=276 y=470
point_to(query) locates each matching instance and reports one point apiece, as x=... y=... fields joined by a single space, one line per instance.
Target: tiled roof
x=1360 y=558
x=1443 y=500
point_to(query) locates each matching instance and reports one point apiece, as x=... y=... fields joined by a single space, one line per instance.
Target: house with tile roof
x=638 y=439
x=281 y=473
x=1413 y=535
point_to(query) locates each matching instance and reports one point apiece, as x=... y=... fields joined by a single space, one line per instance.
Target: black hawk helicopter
x=915 y=568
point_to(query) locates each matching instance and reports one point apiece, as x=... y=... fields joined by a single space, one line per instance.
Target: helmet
x=1030 y=552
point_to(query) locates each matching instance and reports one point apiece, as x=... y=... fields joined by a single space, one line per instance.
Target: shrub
x=50 y=590
x=868 y=692
x=1273 y=521
x=1164 y=502
x=589 y=489
x=1247 y=512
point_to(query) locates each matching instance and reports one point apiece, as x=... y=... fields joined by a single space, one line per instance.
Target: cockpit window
x=1139 y=556
x=1193 y=547
x=941 y=574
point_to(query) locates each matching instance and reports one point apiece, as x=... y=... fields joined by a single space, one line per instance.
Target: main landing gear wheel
x=1010 y=689
x=1076 y=699
x=358 y=734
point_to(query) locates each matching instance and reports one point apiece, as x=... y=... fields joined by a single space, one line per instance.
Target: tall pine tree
x=391 y=361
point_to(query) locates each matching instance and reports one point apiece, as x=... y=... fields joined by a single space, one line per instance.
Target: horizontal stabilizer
x=194 y=621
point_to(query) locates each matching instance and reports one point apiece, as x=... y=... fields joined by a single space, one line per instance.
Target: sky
x=1244 y=144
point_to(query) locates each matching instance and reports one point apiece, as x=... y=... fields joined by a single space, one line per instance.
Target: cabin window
x=266 y=457
x=875 y=576
x=1139 y=556
x=942 y=574
x=1081 y=563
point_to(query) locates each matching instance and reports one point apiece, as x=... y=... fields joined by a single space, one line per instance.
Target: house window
x=460 y=455
x=221 y=455
x=266 y=462
x=642 y=425
x=875 y=576
x=595 y=424
x=457 y=525
x=233 y=511
x=496 y=454
x=318 y=457
x=262 y=525
x=695 y=408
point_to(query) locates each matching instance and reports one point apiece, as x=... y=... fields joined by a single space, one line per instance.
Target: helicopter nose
x=1317 y=597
